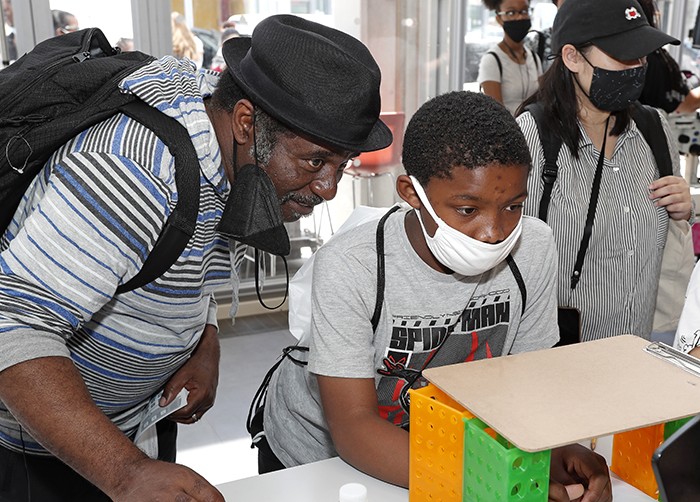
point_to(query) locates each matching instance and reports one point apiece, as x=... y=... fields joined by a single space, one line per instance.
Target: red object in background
x=696 y=238
x=381 y=161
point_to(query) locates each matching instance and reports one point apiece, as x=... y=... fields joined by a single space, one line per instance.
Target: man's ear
x=572 y=58
x=242 y=121
x=404 y=187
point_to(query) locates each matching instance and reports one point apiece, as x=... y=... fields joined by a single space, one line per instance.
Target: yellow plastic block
x=631 y=457
x=436 y=467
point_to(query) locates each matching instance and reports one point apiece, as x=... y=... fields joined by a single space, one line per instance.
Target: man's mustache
x=305 y=200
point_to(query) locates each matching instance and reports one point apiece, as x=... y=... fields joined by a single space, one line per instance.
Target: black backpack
x=62 y=87
x=665 y=85
x=648 y=123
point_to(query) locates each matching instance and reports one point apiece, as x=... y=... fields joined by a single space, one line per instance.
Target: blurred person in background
x=541 y=43
x=64 y=22
x=9 y=30
x=218 y=62
x=126 y=44
x=509 y=72
x=665 y=86
x=185 y=43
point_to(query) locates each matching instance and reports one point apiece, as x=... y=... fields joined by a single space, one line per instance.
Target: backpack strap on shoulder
x=551 y=144
x=649 y=124
x=536 y=57
x=181 y=224
x=519 y=279
x=380 y=269
x=498 y=62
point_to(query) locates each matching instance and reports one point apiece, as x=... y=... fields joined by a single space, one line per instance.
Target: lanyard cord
x=588 y=229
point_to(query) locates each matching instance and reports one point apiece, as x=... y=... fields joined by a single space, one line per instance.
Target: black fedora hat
x=316 y=80
x=617 y=27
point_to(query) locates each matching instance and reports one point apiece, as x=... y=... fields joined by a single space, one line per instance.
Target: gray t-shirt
x=473 y=317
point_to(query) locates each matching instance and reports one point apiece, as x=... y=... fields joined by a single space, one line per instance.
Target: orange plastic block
x=436 y=467
x=631 y=457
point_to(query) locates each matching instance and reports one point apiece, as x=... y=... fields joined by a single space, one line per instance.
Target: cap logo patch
x=632 y=13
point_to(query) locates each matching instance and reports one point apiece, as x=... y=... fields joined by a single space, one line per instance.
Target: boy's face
x=484 y=203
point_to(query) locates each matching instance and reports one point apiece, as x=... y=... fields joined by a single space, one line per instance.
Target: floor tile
x=218 y=446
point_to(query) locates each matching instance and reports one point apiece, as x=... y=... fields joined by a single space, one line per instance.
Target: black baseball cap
x=617 y=27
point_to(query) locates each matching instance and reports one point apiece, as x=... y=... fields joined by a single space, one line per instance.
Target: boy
x=450 y=296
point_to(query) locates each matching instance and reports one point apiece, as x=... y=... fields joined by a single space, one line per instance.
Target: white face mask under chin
x=458 y=251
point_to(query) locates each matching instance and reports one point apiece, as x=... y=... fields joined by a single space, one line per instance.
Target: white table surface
x=320 y=482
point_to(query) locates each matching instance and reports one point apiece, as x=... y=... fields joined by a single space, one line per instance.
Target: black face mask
x=615 y=90
x=518 y=29
x=252 y=214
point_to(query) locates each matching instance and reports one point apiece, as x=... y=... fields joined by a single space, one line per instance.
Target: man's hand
x=577 y=465
x=153 y=480
x=673 y=193
x=200 y=376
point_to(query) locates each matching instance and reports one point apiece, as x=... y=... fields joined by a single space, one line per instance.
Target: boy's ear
x=404 y=187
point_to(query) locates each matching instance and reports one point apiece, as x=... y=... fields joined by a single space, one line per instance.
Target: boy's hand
x=576 y=465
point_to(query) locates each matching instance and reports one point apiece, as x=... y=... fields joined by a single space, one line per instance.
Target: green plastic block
x=673 y=426
x=496 y=470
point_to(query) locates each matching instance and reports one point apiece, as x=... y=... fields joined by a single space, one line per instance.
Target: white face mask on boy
x=458 y=251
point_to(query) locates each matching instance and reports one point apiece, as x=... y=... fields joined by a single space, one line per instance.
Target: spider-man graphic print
x=417 y=342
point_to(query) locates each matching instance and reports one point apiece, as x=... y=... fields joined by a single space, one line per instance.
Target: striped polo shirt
x=619 y=279
x=85 y=227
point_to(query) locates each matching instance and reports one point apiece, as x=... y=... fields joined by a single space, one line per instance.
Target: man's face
x=484 y=203
x=304 y=173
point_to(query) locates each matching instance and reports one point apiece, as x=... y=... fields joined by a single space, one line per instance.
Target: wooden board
x=549 y=398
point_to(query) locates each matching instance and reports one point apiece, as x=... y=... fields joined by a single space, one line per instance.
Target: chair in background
x=370 y=165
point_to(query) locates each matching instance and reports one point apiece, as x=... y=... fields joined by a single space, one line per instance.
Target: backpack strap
x=537 y=58
x=649 y=124
x=181 y=224
x=498 y=62
x=519 y=279
x=541 y=44
x=254 y=423
x=551 y=144
x=380 y=270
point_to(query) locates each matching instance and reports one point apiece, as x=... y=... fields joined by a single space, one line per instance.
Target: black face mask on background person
x=252 y=214
x=615 y=90
x=518 y=29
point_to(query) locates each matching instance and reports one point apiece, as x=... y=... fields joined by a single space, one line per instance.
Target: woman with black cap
x=509 y=71
x=606 y=186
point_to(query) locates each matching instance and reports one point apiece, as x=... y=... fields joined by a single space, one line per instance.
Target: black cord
x=26 y=466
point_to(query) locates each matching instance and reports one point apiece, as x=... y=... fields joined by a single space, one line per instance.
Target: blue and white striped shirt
x=86 y=225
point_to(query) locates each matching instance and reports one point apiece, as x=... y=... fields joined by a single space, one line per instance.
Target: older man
x=78 y=362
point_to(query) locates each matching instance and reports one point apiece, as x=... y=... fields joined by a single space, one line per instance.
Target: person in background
x=509 y=72
x=459 y=250
x=8 y=15
x=586 y=97
x=185 y=43
x=665 y=86
x=80 y=362
x=125 y=44
x=541 y=42
x=64 y=22
x=229 y=23
x=218 y=63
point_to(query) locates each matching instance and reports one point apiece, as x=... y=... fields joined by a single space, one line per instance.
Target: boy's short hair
x=465 y=129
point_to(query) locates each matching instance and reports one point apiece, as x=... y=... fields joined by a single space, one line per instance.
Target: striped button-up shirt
x=86 y=225
x=619 y=280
